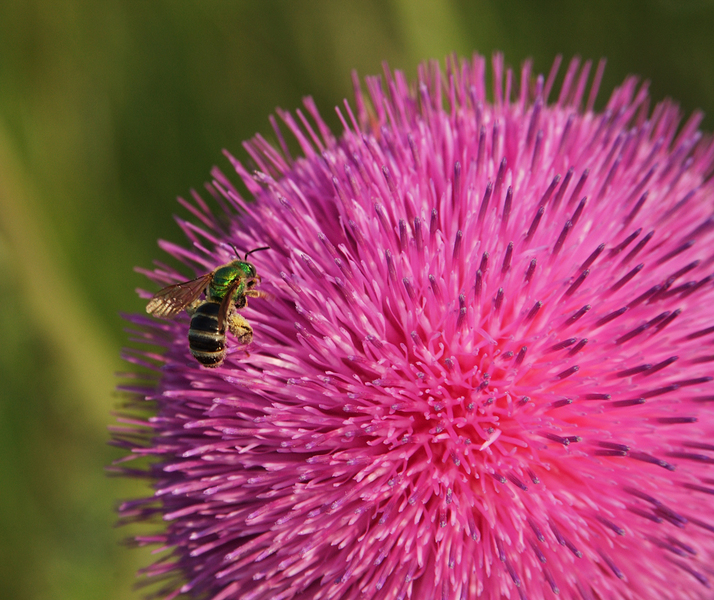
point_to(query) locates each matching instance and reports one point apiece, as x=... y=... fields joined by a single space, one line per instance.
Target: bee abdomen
x=206 y=336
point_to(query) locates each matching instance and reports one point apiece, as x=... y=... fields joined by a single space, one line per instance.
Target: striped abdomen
x=206 y=336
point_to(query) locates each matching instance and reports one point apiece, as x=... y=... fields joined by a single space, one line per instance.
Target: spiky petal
x=487 y=370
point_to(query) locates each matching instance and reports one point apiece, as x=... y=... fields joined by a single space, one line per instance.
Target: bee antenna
x=235 y=250
x=255 y=250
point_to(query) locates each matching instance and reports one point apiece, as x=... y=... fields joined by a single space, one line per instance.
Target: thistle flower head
x=486 y=369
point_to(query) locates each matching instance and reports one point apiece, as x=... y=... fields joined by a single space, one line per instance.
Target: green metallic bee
x=226 y=289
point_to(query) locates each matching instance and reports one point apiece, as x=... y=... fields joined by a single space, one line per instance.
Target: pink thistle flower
x=487 y=368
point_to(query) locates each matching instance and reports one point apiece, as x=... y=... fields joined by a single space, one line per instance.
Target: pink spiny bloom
x=487 y=368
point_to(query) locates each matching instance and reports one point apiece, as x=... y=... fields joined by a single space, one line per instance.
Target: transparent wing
x=171 y=300
x=226 y=304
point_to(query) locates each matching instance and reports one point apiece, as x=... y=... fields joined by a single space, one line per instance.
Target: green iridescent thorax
x=224 y=277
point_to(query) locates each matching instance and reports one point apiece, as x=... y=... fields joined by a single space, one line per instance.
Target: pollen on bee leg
x=257 y=294
x=240 y=328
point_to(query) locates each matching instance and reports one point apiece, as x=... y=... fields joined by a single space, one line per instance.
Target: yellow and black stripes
x=206 y=336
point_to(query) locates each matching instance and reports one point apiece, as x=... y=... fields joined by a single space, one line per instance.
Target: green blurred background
x=109 y=109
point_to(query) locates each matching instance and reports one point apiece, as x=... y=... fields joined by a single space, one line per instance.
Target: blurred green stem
x=46 y=287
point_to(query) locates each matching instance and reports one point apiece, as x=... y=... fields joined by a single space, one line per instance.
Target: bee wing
x=171 y=300
x=226 y=304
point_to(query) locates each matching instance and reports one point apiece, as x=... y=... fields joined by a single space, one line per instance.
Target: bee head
x=250 y=272
x=250 y=269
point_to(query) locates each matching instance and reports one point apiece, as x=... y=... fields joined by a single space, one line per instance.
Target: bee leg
x=259 y=294
x=240 y=328
x=191 y=308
